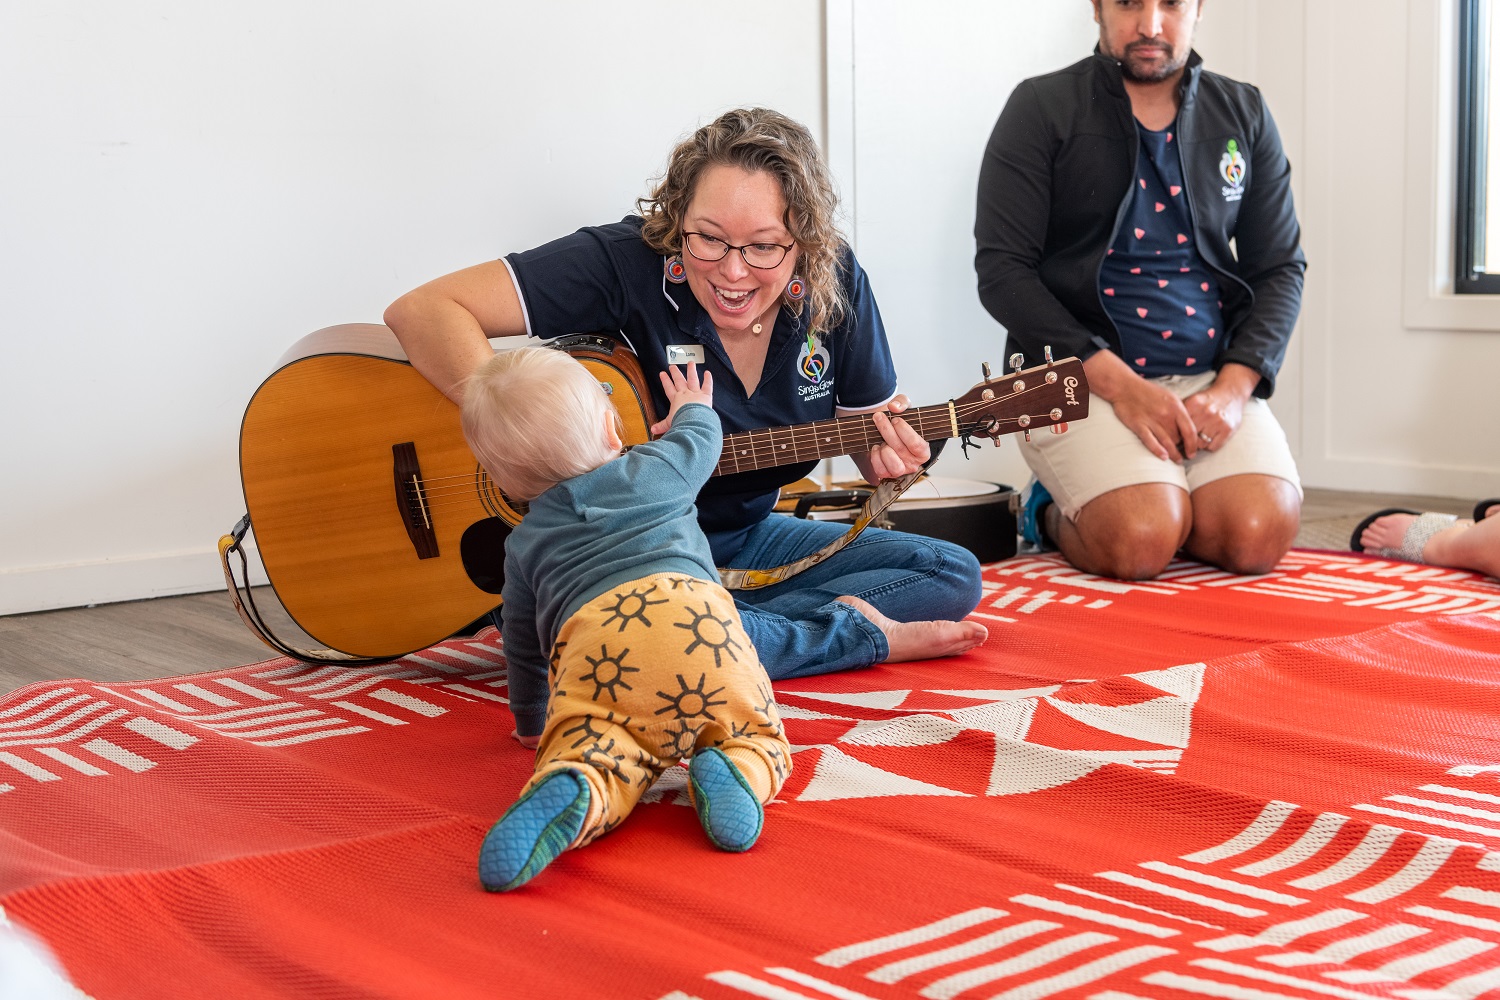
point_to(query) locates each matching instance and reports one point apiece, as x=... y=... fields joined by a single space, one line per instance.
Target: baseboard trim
x=107 y=581
x=1364 y=476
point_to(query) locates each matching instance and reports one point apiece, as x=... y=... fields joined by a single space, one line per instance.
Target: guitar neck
x=746 y=451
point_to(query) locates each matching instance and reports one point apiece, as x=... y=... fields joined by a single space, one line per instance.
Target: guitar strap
x=885 y=494
x=250 y=614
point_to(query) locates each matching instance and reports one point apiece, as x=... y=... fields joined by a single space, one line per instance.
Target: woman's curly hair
x=758 y=139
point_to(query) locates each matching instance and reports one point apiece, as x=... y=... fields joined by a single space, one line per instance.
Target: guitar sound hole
x=495 y=499
x=482 y=550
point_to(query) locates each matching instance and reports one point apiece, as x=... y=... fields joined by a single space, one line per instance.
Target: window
x=1477 y=228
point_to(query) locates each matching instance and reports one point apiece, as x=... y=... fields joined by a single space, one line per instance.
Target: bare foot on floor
x=920 y=640
x=1389 y=531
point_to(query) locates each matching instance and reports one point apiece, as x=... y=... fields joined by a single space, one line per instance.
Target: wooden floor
x=176 y=635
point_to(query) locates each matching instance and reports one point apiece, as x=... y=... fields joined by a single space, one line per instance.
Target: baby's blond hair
x=535 y=416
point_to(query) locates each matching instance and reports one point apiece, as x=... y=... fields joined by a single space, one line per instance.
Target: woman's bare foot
x=920 y=640
x=1388 y=533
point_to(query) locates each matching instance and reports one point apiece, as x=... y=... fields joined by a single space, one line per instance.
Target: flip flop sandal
x=1483 y=507
x=1359 y=529
x=1416 y=538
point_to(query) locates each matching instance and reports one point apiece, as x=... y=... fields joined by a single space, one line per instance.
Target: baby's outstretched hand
x=683 y=388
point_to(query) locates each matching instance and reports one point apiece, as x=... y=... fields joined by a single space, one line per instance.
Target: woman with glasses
x=735 y=262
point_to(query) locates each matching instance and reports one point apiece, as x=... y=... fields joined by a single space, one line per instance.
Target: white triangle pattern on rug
x=1184 y=681
x=798 y=712
x=1020 y=765
x=994 y=695
x=907 y=731
x=862 y=699
x=839 y=776
x=1162 y=720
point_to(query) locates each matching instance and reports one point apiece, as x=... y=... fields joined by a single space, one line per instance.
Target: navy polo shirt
x=1163 y=298
x=605 y=279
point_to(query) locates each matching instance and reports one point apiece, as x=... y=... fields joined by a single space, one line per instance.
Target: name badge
x=682 y=354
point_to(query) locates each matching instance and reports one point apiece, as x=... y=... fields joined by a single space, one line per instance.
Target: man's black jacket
x=1056 y=180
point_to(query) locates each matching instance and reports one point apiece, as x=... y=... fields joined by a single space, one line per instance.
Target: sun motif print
x=647 y=674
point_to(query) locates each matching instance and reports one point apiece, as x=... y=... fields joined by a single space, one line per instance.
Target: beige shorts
x=1099 y=453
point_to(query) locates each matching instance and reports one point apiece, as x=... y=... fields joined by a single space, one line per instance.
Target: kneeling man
x=1136 y=211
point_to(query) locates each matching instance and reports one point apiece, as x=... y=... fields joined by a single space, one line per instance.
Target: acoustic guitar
x=380 y=532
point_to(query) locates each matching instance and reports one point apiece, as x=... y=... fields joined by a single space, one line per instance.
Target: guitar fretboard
x=746 y=451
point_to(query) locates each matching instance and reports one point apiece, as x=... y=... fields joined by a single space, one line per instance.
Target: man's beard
x=1156 y=73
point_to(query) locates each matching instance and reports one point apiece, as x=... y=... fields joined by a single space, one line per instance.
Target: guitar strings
x=460 y=489
x=768 y=446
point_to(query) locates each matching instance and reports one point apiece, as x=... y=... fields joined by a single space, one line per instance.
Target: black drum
x=967 y=512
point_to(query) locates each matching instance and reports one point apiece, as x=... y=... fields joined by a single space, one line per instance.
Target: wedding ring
x=1205 y=438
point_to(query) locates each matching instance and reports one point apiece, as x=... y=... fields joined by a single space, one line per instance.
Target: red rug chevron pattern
x=1273 y=788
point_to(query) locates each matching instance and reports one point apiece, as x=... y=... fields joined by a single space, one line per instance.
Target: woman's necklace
x=759 y=323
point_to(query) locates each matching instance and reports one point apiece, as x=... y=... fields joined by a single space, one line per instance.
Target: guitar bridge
x=411 y=500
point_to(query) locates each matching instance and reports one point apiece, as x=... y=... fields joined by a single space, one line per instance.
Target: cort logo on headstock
x=1070 y=385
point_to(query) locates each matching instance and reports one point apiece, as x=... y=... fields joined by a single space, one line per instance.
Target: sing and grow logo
x=814 y=364
x=813 y=360
x=1232 y=169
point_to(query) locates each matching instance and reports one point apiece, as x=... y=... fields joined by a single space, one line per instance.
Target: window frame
x=1472 y=139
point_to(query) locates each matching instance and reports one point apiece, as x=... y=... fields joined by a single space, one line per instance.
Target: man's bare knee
x=1141 y=560
x=1250 y=544
x=1134 y=550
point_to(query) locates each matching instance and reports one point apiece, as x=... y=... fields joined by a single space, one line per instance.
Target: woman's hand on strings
x=901 y=450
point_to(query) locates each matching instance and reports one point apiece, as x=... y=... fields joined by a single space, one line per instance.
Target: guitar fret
x=831 y=438
x=791 y=435
x=749 y=450
x=800 y=447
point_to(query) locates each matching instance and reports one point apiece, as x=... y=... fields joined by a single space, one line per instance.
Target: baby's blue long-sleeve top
x=631 y=517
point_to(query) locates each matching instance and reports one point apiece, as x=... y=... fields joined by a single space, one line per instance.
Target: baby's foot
x=920 y=640
x=534 y=831
x=728 y=809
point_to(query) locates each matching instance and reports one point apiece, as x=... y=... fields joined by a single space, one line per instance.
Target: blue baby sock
x=730 y=812
x=534 y=831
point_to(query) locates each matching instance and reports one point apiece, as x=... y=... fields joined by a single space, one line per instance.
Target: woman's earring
x=676 y=271
x=796 y=289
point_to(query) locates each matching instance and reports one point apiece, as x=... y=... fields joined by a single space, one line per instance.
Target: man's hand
x=1217 y=411
x=682 y=389
x=902 y=449
x=1156 y=416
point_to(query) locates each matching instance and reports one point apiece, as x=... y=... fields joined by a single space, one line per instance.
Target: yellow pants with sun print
x=642 y=676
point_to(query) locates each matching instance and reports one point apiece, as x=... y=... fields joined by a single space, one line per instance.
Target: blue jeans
x=800 y=630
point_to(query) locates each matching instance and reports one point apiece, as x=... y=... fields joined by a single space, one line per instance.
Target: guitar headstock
x=1048 y=395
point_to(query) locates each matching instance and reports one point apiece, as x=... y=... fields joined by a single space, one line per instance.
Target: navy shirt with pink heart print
x=1163 y=298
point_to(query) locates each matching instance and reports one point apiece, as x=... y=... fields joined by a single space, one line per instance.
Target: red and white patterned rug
x=1202 y=786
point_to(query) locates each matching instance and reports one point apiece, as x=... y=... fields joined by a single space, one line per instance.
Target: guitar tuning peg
x=1017 y=360
x=1061 y=428
x=984 y=366
x=1047 y=353
x=1026 y=435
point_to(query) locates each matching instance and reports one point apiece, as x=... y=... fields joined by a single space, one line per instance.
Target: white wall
x=1394 y=376
x=929 y=82
x=1389 y=382
x=187 y=188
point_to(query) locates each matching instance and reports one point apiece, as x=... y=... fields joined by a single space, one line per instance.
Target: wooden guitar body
x=362 y=561
x=381 y=533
